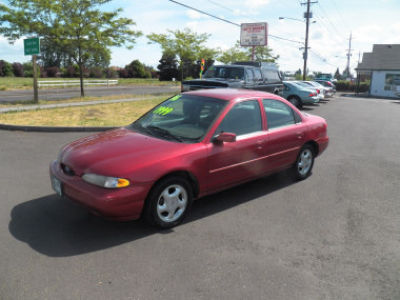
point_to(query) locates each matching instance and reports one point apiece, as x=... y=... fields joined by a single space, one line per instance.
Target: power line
x=328 y=19
x=322 y=58
x=321 y=22
x=229 y=22
x=222 y=6
x=344 y=21
x=203 y=12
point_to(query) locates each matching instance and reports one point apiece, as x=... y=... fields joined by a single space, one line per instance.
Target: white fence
x=65 y=83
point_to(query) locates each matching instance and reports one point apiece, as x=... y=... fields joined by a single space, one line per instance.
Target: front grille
x=67 y=170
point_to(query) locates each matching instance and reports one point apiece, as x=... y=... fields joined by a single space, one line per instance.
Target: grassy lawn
x=84 y=99
x=18 y=83
x=117 y=114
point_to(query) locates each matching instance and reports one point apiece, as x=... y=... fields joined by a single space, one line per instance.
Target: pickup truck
x=241 y=75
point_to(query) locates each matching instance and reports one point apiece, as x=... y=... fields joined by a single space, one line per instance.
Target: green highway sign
x=31 y=46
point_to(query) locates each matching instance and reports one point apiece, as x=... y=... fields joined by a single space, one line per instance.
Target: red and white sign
x=253 y=34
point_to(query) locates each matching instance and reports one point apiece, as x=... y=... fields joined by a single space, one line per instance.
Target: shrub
x=123 y=73
x=349 y=86
x=18 y=69
x=71 y=71
x=53 y=72
x=42 y=72
x=96 y=72
x=111 y=72
x=28 y=69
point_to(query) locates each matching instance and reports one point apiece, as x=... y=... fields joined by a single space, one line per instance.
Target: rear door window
x=279 y=114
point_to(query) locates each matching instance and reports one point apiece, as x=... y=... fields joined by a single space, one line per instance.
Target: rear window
x=271 y=75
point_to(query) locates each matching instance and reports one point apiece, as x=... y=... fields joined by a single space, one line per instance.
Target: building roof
x=382 y=57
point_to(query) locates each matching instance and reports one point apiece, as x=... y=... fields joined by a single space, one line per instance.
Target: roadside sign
x=253 y=34
x=31 y=46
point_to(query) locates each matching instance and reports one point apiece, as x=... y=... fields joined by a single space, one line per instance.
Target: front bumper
x=118 y=204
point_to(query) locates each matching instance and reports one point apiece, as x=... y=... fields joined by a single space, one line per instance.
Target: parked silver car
x=325 y=91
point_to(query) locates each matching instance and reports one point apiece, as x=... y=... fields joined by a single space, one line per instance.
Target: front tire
x=304 y=163
x=168 y=202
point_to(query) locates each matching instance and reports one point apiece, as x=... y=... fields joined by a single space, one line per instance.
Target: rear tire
x=168 y=202
x=304 y=163
x=296 y=101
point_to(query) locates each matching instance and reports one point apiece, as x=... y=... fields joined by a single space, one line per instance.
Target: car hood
x=116 y=152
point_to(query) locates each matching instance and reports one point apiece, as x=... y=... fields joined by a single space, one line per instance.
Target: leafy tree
x=233 y=54
x=137 y=70
x=79 y=27
x=262 y=54
x=238 y=53
x=53 y=55
x=185 y=45
x=5 y=68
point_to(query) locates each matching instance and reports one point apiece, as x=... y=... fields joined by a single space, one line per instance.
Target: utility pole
x=348 y=56
x=307 y=16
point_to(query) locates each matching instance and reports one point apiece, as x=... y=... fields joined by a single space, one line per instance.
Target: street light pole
x=307 y=15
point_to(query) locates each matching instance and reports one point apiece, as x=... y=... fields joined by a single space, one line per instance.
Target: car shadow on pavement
x=58 y=228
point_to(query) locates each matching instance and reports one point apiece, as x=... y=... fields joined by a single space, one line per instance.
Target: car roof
x=231 y=94
x=234 y=66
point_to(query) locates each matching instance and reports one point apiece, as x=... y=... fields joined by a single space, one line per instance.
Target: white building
x=383 y=65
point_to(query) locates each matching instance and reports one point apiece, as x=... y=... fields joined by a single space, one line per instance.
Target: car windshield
x=182 y=118
x=224 y=72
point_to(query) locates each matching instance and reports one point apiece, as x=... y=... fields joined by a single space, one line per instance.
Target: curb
x=52 y=129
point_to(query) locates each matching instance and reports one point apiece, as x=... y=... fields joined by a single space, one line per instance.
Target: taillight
x=318 y=91
x=312 y=94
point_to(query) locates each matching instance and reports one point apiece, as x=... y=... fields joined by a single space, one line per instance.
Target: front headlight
x=106 y=182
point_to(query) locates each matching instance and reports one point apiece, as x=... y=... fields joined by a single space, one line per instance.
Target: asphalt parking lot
x=335 y=235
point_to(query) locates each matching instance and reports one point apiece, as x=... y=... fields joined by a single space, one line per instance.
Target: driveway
x=332 y=236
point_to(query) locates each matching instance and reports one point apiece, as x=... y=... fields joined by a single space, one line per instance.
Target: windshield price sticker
x=177 y=97
x=163 y=110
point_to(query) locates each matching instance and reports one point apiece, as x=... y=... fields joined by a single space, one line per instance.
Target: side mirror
x=225 y=137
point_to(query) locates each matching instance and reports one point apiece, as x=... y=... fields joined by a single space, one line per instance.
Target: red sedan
x=189 y=146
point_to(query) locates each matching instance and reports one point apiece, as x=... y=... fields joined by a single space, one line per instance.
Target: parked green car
x=299 y=95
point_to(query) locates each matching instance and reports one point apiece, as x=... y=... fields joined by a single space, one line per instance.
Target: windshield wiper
x=163 y=132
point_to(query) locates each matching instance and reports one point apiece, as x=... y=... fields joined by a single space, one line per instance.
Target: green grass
x=84 y=99
x=113 y=114
x=15 y=83
x=20 y=83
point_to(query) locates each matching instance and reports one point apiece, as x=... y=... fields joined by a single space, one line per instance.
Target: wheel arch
x=295 y=96
x=190 y=177
x=314 y=145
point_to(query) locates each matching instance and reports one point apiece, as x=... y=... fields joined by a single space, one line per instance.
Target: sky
x=369 y=22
